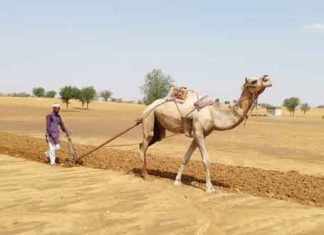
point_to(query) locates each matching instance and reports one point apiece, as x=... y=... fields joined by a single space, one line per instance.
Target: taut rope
x=108 y=141
x=138 y=121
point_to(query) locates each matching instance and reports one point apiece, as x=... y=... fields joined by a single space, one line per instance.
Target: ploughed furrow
x=290 y=186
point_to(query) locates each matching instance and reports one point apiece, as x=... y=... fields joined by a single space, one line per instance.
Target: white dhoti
x=51 y=152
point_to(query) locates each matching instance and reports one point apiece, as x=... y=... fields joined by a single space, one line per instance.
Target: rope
x=134 y=144
x=138 y=121
x=108 y=141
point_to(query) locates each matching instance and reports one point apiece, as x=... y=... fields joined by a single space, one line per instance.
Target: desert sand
x=269 y=143
x=39 y=199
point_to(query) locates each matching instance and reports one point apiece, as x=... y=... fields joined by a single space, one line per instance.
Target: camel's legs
x=185 y=160
x=143 y=148
x=204 y=154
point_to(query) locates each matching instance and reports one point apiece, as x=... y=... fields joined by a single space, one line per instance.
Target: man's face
x=56 y=109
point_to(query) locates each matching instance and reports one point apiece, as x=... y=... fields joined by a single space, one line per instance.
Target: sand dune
x=39 y=199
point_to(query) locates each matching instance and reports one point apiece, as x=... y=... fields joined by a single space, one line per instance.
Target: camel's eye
x=254 y=82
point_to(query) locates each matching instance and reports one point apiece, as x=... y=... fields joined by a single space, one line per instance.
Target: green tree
x=67 y=93
x=291 y=104
x=87 y=94
x=39 y=92
x=76 y=93
x=305 y=108
x=156 y=86
x=106 y=94
x=50 y=94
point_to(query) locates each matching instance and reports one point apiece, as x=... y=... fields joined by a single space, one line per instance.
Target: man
x=53 y=121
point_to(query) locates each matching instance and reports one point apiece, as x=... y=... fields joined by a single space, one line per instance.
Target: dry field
x=278 y=158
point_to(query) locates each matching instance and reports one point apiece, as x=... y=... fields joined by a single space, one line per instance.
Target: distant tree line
x=85 y=95
x=40 y=92
x=156 y=85
x=292 y=103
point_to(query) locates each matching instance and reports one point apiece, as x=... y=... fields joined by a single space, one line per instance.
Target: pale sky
x=209 y=46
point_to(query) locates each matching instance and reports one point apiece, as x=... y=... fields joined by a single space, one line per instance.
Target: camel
x=162 y=116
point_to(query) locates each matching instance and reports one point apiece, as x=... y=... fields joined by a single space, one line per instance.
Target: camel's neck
x=237 y=113
x=244 y=104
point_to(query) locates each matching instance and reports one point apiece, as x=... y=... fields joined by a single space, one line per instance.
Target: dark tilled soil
x=289 y=186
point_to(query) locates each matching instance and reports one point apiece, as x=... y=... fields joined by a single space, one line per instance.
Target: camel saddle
x=179 y=93
x=204 y=102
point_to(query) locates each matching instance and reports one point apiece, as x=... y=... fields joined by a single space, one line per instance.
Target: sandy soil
x=39 y=199
x=269 y=143
x=290 y=186
x=269 y=159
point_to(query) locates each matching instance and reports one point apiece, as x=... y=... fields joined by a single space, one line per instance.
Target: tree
x=156 y=86
x=67 y=93
x=50 y=94
x=77 y=95
x=39 y=92
x=305 y=108
x=291 y=104
x=106 y=94
x=87 y=94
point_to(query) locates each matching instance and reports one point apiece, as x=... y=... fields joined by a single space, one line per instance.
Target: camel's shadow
x=185 y=179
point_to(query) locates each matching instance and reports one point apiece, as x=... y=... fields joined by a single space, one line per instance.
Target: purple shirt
x=53 y=121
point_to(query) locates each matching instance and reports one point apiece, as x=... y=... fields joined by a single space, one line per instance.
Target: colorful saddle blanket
x=204 y=102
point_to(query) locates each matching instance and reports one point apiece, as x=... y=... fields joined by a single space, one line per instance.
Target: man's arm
x=48 y=124
x=61 y=123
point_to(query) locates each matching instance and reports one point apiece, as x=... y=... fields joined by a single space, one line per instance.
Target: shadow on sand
x=185 y=179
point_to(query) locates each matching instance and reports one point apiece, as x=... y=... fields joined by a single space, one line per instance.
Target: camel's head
x=256 y=85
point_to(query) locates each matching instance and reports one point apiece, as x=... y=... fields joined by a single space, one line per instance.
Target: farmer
x=53 y=121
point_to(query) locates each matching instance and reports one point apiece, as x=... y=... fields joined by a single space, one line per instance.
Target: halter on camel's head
x=256 y=85
x=251 y=90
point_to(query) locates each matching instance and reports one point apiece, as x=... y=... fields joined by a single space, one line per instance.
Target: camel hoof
x=177 y=183
x=210 y=190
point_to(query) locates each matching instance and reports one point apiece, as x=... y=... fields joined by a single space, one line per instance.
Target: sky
x=209 y=46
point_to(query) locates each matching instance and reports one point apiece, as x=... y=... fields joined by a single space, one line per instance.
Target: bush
x=19 y=94
x=117 y=100
x=50 y=94
x=105 y=94
x=39 y=92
